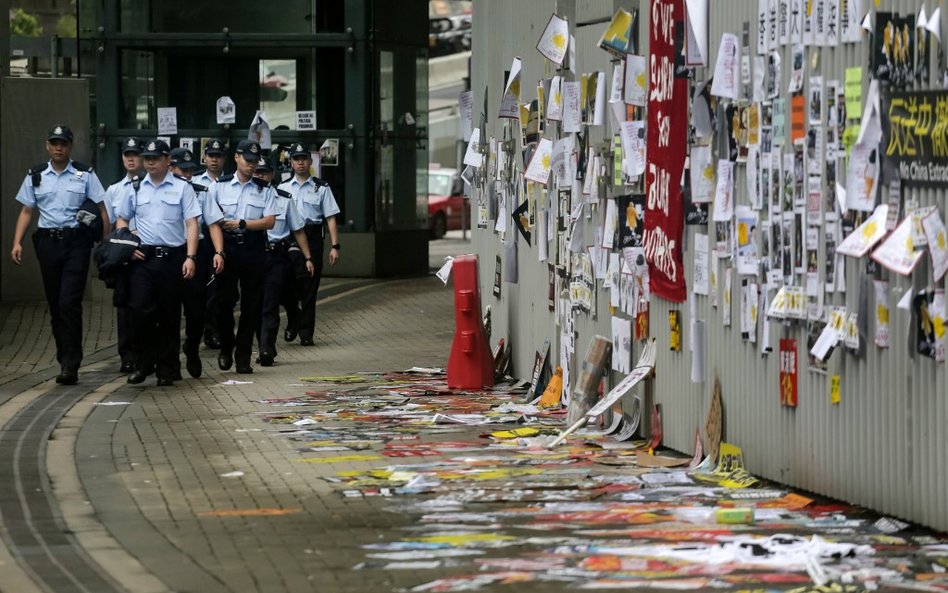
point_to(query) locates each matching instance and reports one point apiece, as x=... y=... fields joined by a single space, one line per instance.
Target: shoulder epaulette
x=260 y=183
x=198 y=187
x=81 y=167
x=36 y=172
x=319 y=182
x=223 y=178
x=282 y=193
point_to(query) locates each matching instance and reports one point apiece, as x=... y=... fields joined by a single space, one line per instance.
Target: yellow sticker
x=515 y=433
x=834 y=389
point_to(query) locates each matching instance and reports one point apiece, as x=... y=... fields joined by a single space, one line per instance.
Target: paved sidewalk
x=151 y=472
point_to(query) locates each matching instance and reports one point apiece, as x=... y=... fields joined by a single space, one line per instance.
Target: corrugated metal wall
x=885 y=445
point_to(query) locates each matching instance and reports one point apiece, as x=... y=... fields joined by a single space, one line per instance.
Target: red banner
x=667 y=146
x=788 y=372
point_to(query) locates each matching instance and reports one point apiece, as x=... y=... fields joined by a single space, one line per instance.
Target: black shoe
x=177 y=375
x=244 y=368
x=212 y=342
x=224 y=361
x=306 y=342
x=137 y=377
x=127 y=367
x=265 y=359
x=289 y=334
x=67 y=377
x=164 y=382
x=194 y=365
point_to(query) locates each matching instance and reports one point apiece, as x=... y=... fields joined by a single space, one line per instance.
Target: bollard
x=470 y=365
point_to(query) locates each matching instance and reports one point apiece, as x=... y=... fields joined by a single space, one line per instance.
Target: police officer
x=132 y=163
x=248 y=211
x=210 y=261
x=58 y=189
x=215 y=157
x=278 y=287
x=318 y=208
x=163 y=207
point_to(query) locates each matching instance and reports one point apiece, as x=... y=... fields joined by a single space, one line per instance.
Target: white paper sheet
x=725 y=82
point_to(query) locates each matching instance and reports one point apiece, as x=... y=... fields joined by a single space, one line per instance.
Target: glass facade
x=360 y=65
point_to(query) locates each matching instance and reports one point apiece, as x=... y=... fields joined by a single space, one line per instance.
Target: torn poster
x=937 y=244
x=555 y=39
x=635 y=86
x=897 y=253
x=510 y=104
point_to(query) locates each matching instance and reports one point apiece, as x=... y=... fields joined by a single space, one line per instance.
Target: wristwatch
x=242 y=224
x=309 y=259
x=220 y=253
x=192 y=257
x=337 y=246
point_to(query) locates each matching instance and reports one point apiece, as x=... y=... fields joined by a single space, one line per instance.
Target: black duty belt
x=279 y=247
x=248 y=237
x=57 y=233
x=161 y=250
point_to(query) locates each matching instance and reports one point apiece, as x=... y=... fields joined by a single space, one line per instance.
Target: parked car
x=449 y=27
x=445 y=200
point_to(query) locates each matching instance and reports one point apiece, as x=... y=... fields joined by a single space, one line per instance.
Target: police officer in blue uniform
x=210 y=261
x=278 y=287
x=318 y=208
x=215 y=157
x=58 y=189
x=132 y=163
x=248 y=211
x=166 y=212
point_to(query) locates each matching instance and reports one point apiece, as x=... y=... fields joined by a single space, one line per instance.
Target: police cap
x=214 y=146
x=249 y=149
x=156 y=147
x=299 y=149
x=182 y=158
x=132 y=146
x=60 y=132
x=264 y=164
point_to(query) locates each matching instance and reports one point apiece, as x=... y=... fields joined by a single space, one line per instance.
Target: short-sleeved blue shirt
x=159 y=210
x=287 y=221
x=314 y=201
x=113 y=194
x=238 y=201
x=59 y=195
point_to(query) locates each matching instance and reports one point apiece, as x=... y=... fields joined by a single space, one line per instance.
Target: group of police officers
x=197 y=242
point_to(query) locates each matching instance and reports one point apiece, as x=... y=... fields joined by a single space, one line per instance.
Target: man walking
x=247 y=212
x=132 y=163
x=278 y=284
x=58 y=189
x=163 y=207
x=210 y=261
x=318 y=209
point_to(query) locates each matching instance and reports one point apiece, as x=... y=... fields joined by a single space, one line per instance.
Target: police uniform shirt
x=238 y=201
x=59 y=195
x=288 y=220
x=314 y=200
x=114 y=194
x=159 y=209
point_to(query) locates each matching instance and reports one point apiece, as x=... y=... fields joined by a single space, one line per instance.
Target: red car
x=445 y=201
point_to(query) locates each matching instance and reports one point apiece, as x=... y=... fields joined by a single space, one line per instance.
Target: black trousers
x=154 y=300
x=278 y=290
x=243 y=279
x=308 y=287
x=195 y=299
x=64 y=265
x=123 y=326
